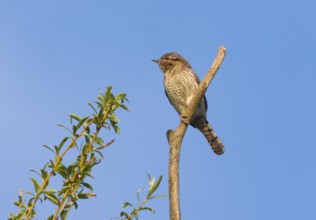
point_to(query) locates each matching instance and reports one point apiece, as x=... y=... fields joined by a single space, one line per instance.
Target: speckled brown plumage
x=180 y=82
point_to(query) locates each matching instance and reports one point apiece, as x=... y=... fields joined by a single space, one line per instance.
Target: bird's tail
x=210 y=136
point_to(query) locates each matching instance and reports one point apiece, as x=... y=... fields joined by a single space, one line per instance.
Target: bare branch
x=175 y=137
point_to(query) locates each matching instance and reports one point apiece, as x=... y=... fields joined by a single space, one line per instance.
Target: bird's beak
x=156 y=61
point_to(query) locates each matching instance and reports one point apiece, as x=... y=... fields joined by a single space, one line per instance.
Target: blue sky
x=56 y=56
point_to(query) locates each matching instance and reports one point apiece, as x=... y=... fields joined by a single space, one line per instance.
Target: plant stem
x=46 y=180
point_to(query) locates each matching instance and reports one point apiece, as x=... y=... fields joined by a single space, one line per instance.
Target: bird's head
x=170 y=60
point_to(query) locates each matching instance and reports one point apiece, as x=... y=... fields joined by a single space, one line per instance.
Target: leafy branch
x=134 y=213
x=86 y=131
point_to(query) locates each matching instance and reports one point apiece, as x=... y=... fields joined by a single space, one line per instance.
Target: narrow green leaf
x=61 y=170
x=92 y=107
x=12 y=216
x=71 y=169
x=74 y=130
x=36 y=185
x=154 y=187
x=88 y=130
x=63 y=214
x=49 y=148
x=99 y=141
x=158 y=196
x=148 y=208
x=51 y=197
x=87 y=185
x=113 y=118
x=105 y=145
x=108 y=94
x=83 y=196
x=62 y=191
x=120 y=96
x=125 y=204
x=124 y=214
x=62 y=143
x=29 y=193
x=85 y=149
x=34 y=171
x=101 y=98
x=137 y=194
x=50 y=191
x=62 y=126
x=99 y=119
x=44 y=173
x=51 y=164
x=17 y=203
x=82 y=121
x=56 y=149
x=123 y=107
x=115 y=127
x=74 y=116
x=74 y=201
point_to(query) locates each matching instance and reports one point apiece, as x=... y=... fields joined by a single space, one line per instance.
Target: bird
x=180 y=83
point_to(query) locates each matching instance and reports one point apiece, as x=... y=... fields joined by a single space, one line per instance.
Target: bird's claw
x=184 y=118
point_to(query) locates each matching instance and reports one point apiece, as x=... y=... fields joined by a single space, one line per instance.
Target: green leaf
x=88 y=130
x=87 y=138
x=125 y=204
x=153 y=187
x=52 y=197
x=61 y=170
x=34 y=171
x=74 y=130
x=120 y=96
x=114 y=126
x=36 y=185
x=147 y=208
x=124 y=214
x=87 y=185
x=74 y=201
x=108 y=94
x=62 y=126
x=29 y=193
x=62 y=191
x=99 y=119
x=82 y=121
x=83 y=196
x=51 y=164
x=44 y=173
x=48 y=148
x=123 y=107
x=92 y=107
x=50 y=191
x=85 y=149
x=71 y=169
x=158 y=196
x=100 y=154
x=62 y=144
x=74 y=116
x=102 y=145
x=137 y=194
x=17 y=203
x=63 y=214
x=113 y=118
x=99 y=141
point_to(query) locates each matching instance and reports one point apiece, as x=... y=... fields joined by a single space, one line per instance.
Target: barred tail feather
x=211 y=137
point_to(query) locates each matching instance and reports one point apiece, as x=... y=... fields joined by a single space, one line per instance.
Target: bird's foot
x=184 y=118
